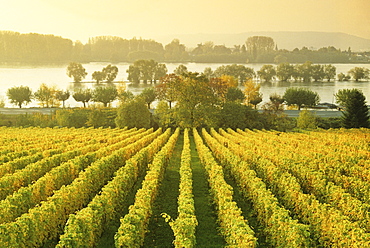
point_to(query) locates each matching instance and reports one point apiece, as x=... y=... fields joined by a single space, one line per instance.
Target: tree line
x=191 y=99
x=37 y=48
x=151 y=71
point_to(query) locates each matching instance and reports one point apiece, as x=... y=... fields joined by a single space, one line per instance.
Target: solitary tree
x=19 y=95
x=105 y=95
x=77 y=71
x=46 y=96
x=329 y=72
x=62 y=96
x=356 y=113
x=256 y=100
x=110 y=72
x=148 y=95
x=301 y=97
x=83 y=96
x=98 y=76
x=359 y=73
x=267 y=72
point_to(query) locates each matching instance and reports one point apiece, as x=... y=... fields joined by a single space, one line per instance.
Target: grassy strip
x=186 y=223
x=233 y=226
x=159 y=232
x=134 y=225
x=207 y=234
x=246 y=205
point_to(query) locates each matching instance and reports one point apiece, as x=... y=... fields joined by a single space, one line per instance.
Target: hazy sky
x=81 y=19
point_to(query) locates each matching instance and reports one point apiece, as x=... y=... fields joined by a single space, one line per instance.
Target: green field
x=68 y=187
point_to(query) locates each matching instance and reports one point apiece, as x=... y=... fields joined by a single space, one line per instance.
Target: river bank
x=49 y=111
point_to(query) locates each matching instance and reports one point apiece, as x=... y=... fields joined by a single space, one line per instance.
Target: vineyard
x=67 y=187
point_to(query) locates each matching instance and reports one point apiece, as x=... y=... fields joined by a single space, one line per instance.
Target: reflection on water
x=56 y=75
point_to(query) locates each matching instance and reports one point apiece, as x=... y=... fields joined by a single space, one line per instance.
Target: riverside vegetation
x=188 y=99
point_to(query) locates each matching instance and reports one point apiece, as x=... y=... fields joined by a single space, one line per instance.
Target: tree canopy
x=104 y=95
x=359 y=73
x=356 y=113
x=19 y=95
x=133 y=114
x=267 y=72
x=240 y=72
x=47 y=96
x=146 y=70
x=110 y=72
x=148 y=95
x=77 y=71
x=61 y=95
x=301 y=97
x=83 y=96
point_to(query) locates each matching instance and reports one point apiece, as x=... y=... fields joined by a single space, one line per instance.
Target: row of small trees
x=50 y=96
x=193 y=101
x=151 y=71
x=78 y=72
x=285 y=71
x=224 y=88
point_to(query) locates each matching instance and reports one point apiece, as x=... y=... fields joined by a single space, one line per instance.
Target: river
x=34 y=76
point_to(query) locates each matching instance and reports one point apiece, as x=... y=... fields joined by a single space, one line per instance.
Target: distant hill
x=284 y=40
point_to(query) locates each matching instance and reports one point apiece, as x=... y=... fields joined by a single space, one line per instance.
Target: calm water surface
x=34 y=76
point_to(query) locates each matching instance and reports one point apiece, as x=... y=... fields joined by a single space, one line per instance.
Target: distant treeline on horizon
x=39 y=48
